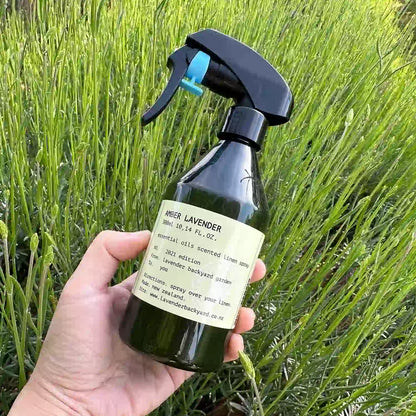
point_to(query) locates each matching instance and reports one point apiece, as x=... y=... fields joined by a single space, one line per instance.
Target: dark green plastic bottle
x=225 y=181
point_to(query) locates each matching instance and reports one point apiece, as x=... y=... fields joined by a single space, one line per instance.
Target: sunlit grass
x=335 y=329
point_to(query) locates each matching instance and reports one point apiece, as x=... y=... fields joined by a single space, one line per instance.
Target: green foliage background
x=336 y=314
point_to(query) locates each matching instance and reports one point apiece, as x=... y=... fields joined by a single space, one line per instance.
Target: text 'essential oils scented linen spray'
x=210 y=225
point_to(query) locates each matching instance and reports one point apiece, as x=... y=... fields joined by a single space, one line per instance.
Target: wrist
x=38 y=398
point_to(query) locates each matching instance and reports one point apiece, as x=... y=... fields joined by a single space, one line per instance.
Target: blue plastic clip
x=196 y=72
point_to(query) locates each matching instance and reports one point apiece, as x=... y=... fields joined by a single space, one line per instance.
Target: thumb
x=103 y=256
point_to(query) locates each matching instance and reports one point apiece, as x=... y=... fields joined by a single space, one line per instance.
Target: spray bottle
x=210 y=225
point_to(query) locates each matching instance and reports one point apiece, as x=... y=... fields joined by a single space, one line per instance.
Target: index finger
x=259 y=271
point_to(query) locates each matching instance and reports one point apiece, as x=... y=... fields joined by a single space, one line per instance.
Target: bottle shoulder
x=227 y=181
x=249 y=209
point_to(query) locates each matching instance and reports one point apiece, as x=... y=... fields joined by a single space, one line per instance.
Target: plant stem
x=258 y=398
x=41 y=312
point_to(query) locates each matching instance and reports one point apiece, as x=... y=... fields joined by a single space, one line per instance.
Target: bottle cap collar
x=246 y=124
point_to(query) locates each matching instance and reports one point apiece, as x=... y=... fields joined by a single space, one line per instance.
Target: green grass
x=335 y=333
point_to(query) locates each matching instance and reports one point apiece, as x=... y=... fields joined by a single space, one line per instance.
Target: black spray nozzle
x=233 y=70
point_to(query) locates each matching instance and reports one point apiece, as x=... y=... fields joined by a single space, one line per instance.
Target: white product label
x=198 y=264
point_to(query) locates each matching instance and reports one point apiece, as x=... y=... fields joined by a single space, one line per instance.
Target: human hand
x=84 y=368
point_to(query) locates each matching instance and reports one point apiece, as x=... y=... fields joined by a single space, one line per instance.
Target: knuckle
x=102 y=237
x=104 y=234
